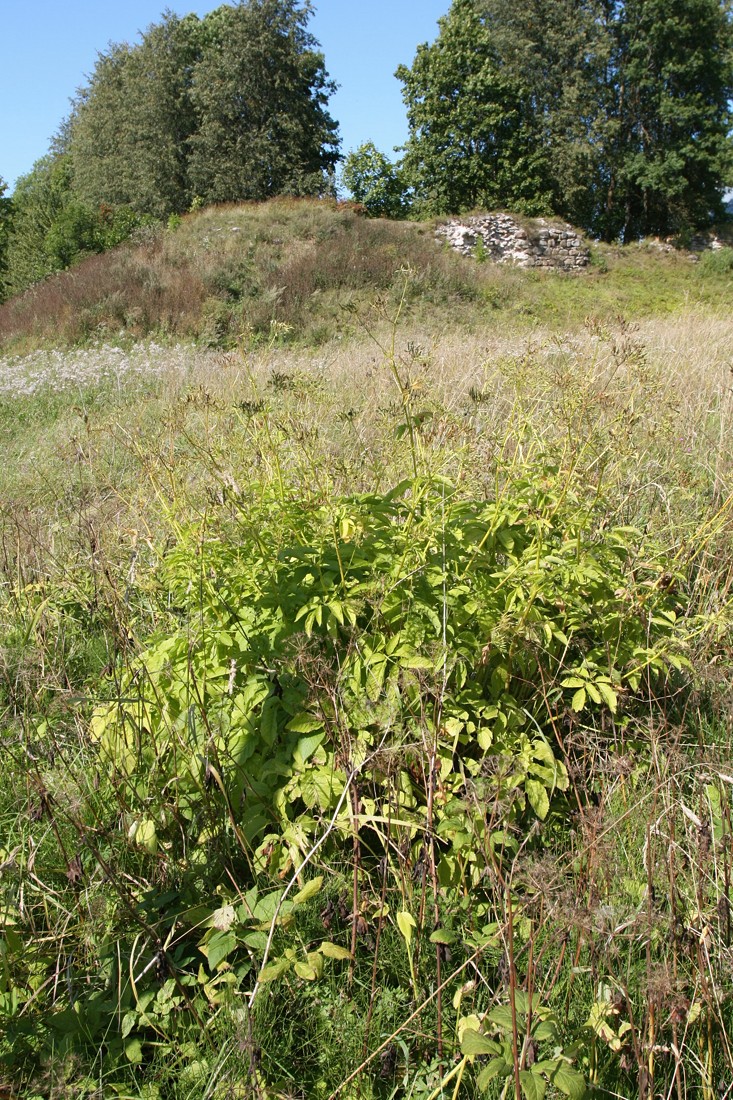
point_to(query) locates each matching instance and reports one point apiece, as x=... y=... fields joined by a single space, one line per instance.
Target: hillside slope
x=295 y=269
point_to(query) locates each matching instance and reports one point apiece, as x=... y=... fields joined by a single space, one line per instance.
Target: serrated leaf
x=497 y=1067
x=533 y=1086
x=333 y=951
x=569 y=1081
x=305 y=971
x=309 y=890
x=474 y=1043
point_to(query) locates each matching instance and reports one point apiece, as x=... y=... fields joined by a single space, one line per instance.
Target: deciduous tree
x=612 y=113
x=375 y=182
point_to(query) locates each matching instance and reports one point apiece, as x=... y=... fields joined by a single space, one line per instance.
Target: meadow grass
x=130 y=478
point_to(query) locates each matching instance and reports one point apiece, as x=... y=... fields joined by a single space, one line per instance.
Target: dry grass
x=302 y=266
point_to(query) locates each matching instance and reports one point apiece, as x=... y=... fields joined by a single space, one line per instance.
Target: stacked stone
x=505 y=241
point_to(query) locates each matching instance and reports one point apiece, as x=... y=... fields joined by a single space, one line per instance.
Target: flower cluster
x=82 y=368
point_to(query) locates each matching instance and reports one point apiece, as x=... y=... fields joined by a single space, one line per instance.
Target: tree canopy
x=6 y=208
x=229 y=107
x=612 y=113
x=375 y=182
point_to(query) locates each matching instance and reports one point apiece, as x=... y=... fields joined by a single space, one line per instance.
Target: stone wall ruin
x=504 y=240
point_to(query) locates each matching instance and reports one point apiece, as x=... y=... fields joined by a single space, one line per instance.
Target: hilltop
x=299 y=268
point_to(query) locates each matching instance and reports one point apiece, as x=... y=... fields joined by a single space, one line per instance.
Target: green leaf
x=443 y=935
x=569 y=1081
x=608 y=694
x=406 y=923
x=333 y=951
x=538 y=798
x=578 y=701
x=573 y=682
x=134 y=1052
x=304 y=723
x=274 y=970
x=546 y=1029
x=474 y=1043
x=497 y=1067
x=532 y=1085
x=306 y=747
x=309 y=890
x=502 y=1015
x=219 y=946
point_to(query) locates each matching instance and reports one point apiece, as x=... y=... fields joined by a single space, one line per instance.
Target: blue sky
x=47 y=47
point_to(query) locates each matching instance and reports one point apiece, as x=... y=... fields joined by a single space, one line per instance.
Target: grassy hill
x=365 y=663
x=232 y=272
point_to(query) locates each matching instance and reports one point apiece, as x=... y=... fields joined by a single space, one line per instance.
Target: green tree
x=671 y=112
x=130 y=127
x=472 y=139
x=375 y=182
x=40 y=197
x=612 y=113
x=260 y=92
x=6 y=214
x=558 y=52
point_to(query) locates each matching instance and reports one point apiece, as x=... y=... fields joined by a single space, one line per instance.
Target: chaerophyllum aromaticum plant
x=421 y=646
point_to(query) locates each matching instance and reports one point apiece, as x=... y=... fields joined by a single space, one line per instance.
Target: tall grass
x=613 y=911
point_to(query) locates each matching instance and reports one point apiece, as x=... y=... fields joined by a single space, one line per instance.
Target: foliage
x=260 y=93
x=671 y=118
x=200 y=552
x=623 y=128
x=51 y=229
x=129 y=129
x=6 y=213
x=391 y=668
x=375 y=182
x=471 y=128
x=226 y=108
